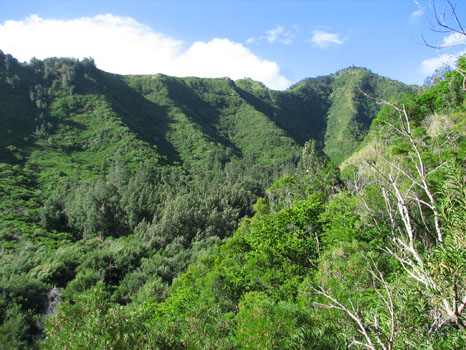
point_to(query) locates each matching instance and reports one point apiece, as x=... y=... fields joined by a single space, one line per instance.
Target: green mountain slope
x=176 y=115
x=371 y=258
x=350 y=112
x=209 y=116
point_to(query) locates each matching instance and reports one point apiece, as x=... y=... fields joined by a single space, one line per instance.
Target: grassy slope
x=351 y=112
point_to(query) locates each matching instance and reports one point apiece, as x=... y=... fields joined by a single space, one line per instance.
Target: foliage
x=134 y=197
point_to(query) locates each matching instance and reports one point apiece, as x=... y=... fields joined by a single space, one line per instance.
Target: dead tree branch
x=374 y=336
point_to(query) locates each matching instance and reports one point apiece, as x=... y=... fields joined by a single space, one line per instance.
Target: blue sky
x=276 y=42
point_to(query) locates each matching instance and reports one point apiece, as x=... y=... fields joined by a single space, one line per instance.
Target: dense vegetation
x=373 y=258
x=121 y=194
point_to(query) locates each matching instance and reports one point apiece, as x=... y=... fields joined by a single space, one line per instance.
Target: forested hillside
x=373 y=257
x=111 y=186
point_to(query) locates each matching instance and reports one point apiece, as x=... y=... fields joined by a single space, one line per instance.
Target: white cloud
x=416 y=16
x=279 y=34
x=125 y=46
x=418 y=13
x=236 y=60
x=324 y=39
x=454 y=39
x=275 y=35
x=431 y=65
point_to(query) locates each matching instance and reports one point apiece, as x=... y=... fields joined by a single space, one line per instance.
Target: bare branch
x=441 y=21
x=444 y=24
x=352 y=314
x=369 y=331
x=408 y=195
x=418 y=163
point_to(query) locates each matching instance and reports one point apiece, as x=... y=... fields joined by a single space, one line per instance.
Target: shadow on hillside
x=73 y=124
x=147 y=119
x=301 y=117
x=203 y=114
x=16 y=124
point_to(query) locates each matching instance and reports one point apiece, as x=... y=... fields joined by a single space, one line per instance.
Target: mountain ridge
x=313 y=108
